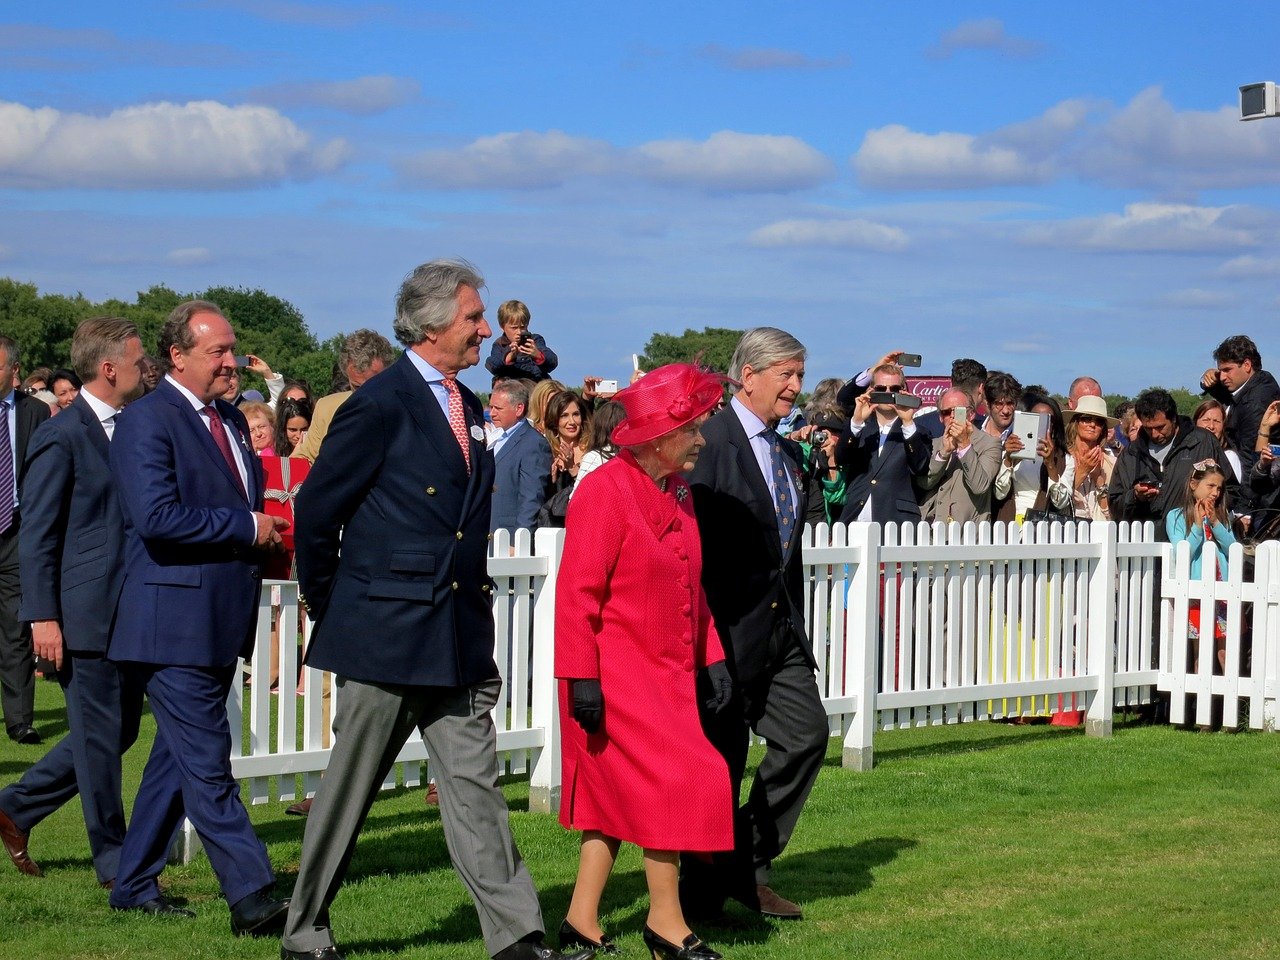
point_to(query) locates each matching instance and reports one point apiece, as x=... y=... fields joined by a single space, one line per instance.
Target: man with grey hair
x=392 y=542
x=749 y=496
x=363 y=355
x=521 y=458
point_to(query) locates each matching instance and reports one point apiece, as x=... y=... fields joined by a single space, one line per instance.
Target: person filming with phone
x=883 y=453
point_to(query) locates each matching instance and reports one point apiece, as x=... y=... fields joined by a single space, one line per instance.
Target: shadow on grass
x=402 y=843
x=996 y=740
x=832 y=872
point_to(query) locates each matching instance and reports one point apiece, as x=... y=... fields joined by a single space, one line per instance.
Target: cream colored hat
x=1090 y=407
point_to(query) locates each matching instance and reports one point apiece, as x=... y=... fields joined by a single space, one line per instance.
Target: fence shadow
x=994 y=741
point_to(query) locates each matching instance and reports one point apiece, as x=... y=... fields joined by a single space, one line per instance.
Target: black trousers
x=783 y=707
x=17 y=658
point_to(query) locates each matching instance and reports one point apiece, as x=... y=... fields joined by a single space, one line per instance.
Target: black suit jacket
x=886 y=476
x=72 y=543
x=28 y=414
x=392 y=538
x=755 y=589
x=1244 y=416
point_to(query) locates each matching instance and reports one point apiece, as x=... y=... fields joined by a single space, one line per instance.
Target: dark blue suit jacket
x=884 y=476
x=191 y=573
x=72 y=540
x=521 y=470
x=392 y=539
x=754 y=587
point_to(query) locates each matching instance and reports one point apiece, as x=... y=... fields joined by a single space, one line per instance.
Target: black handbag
x=552 y=512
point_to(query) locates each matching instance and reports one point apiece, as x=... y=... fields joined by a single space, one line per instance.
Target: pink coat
x=630 y=611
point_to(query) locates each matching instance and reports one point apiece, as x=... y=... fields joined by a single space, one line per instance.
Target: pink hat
x=665 y=399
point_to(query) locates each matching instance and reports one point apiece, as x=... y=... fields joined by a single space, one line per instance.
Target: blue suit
x=187 y=610
x=70 y=553
x=521 y=466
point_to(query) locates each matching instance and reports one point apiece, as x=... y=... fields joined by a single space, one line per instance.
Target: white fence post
x=1102 y=629
x=863 y=625
x=544 y=777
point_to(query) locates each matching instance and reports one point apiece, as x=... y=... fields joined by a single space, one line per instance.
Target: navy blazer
x=72 y=539
x=191 y=573
x=886 y=476
x=754 y=587
x=392 y=539
x=521 y=470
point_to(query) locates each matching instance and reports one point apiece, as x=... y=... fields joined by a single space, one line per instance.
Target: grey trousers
x=370 y=726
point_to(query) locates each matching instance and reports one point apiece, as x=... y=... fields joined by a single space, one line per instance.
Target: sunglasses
x=891 y=387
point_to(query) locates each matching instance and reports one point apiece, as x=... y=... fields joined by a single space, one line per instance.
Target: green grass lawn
x=981 y=841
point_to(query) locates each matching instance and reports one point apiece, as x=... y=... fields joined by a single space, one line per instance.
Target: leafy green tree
x=713 y=346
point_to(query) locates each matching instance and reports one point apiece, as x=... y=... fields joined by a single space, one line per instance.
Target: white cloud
x=895 y=157
x=726 y=161
x=202 y=144
x=1025 y=347
x=189 y=256
x=985 y=34
x=1146 y=144
x=769 y=58
x=1150 y=227
x=736 y=162
x=34 y=46
x=1250 y=266
x=512 y=161
x=1150 y=144
x=1195 y=298
x=361 y=96
x=856 y=234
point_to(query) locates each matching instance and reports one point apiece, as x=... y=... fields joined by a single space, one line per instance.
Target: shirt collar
x=11 y=398
x=429 y=373
x=103 y=411
x=191 y=397
x=751 y=424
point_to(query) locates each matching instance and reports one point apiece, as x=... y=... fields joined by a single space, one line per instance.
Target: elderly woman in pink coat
x=636 y=652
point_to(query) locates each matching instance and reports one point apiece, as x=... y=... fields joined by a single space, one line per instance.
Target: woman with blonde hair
x=539 y=397
x=1089 y=462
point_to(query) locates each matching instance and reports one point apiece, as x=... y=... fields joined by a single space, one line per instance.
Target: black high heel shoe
x=570 y=937
x=692 y=949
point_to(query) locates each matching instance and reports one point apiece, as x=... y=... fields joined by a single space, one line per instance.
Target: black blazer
x=392 y=538
x=72 y=543
x=884 y=476
x=754 y=588
x=28 y=414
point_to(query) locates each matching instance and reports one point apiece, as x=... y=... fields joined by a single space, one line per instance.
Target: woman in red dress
x=635 y=650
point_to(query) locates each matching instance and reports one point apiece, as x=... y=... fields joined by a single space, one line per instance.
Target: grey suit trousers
x=370 y=726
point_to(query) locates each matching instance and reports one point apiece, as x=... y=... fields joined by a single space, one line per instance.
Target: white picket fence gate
x=910 y=626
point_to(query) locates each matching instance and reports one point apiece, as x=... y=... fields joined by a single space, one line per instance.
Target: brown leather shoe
x=772 y=904
x=299 y=809
x=432 y=799
x=15 y=844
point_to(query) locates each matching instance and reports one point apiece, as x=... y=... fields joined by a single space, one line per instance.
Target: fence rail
x=910 y=626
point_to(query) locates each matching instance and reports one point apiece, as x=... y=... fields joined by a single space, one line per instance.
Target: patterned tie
x=458 y=419
x=224 y=445
x=781 y=489
x=6 y=469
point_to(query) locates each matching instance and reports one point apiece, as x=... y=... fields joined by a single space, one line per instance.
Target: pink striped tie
x=457 y=419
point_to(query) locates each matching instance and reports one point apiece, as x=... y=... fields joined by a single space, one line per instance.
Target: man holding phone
x=882 y=463
x=1154 y=469
x=963 y=466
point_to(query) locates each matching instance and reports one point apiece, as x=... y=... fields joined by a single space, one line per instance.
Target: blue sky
x=1053 y=189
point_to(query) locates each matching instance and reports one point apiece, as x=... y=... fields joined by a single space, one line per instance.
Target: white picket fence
x=910 y=626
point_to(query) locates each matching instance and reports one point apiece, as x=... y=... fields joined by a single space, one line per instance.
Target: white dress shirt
x=233 y=436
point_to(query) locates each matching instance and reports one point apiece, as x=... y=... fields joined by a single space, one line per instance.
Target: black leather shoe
x=258 y=914
x=160 y=906
x=537 y=950
x=15 y=845
x=693 y=948
x=571 y=938
x=26 y=734
x=319 y=953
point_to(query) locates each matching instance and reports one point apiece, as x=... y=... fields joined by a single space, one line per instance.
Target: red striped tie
x=457 y=419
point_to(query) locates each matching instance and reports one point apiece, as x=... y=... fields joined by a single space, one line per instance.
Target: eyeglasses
x=890 y=387
x=1094 y=420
